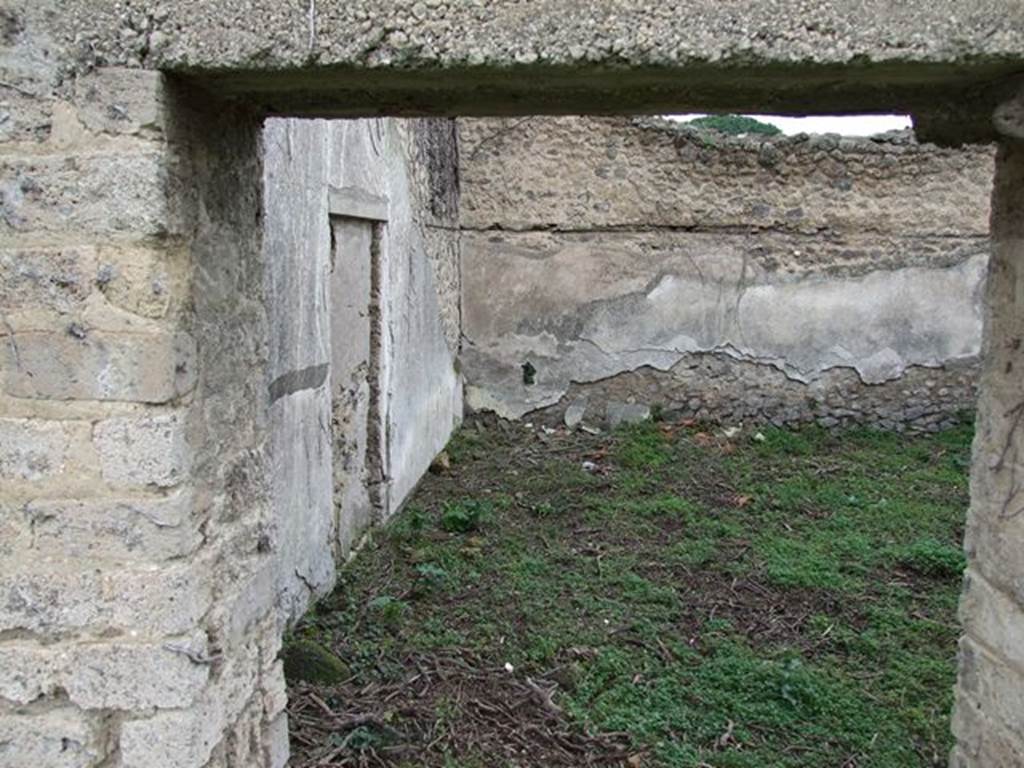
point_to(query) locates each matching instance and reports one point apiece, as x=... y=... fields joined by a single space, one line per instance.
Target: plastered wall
x=419 y=388
x=633 y=264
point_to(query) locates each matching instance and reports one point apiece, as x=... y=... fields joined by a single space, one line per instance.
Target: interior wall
x=639 y=263
x=420 y=389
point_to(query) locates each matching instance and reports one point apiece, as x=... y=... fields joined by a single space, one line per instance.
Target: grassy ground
x=659 y=596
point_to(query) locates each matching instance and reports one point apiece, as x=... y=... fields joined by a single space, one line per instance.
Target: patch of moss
x=308 y=661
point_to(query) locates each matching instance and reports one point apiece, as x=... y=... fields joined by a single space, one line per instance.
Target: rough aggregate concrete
x=947 y=61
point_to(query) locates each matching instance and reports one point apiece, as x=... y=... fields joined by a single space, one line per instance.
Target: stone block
x=24 y=117
x=107 y=675
x=81 y=364
x=981 y=741
x=618 y=413
x=993 y=617
x=145 y=281
x=994 y=541
x=146 y=450
x=15 y=534
x=574 y=414
x=55 y=279
x=63 y=737
x=995 y=686
x=187 y=738
x=121 y=101
x=33 y=449
x=275 y=691
x=173 y=739
x=120 y=529
x=275 y=742
x=108 y=193
x=153 y=601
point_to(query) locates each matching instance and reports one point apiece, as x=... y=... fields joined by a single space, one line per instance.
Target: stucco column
x=989 y=714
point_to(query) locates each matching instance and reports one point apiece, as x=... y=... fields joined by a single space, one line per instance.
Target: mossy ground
x=685 y=601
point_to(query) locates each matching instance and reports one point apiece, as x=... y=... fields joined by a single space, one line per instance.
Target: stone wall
x=139 y=571
x=989 y=710
x=632 y=264
x=138 y=624
x=164 y=473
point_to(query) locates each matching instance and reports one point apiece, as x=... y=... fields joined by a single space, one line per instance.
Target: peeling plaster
x=879 y=325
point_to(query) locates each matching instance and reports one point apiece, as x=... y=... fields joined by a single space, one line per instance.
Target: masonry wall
x=138 y=623
x=139 y=617
x=988 y=717
x=163 y=513
x=634 y=264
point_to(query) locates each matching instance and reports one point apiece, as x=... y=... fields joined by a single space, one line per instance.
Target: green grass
x=785 y=602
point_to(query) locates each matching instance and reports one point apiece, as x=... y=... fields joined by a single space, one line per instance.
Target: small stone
x=626 y=413
x=574 y=414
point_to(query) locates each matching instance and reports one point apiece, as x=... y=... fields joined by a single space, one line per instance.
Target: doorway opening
x=715 y=466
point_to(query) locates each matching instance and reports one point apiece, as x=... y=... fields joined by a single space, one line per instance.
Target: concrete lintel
x=356 y=203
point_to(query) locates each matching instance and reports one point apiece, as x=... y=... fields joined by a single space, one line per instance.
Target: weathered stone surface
x=993 y=617
x=118 y=529
x=583 y=312
x=275 y=740
x=982 y=742
x=84 y=364
x=147 y=450
x=719 y=389
x=41 y=598
x=998 y=689
x=177 y=739
x=575 y=173
x=619 y=245
x=988 y=720
x=58 y=279
x=574 y=414
x=146 y=281
x=122 y=101
x=25 y=116
x=33 y=450
x=187 y=738
x=63 y=737
x=107 y=675
x=94 y=194
x=629 y=55
x=420 y=389
x=507 y=33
